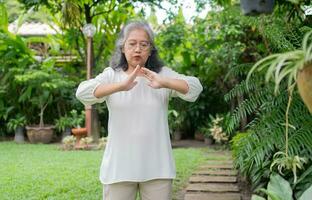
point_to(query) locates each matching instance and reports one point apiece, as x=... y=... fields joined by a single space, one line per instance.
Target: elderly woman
x=136 y=88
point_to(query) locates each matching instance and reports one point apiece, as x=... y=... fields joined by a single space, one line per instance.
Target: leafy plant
x=217 y=131
x=175 y=120
x=283 y=161
x=62 y=123
x=281 y=66
x=40 y=84
x=285 y=65
x=253 y=151
x=16 y=122
x=77 y=119
x=279 y=189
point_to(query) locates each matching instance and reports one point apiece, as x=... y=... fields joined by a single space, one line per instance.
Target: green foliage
x=17 y=57
x=77 y=119
x=253 y=151
x=19 y=121
x=278 y=189
x=285 y=65
x=307 y=194
x=3 y=17
x=285 y=162
x=62 y=123
x=175 y=120
x=304 y=181
x=40 y=84
x=74 y=120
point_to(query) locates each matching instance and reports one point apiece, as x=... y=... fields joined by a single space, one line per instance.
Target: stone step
x=216 y=172
x=212 y=196
x=212 y=179
x=212 y=187
x=216 y=166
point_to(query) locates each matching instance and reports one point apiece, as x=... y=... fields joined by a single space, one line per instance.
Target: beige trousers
x=157 y=189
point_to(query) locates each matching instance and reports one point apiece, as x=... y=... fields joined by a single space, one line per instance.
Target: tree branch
x=107 y=11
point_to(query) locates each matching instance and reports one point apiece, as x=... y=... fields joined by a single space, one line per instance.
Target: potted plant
x=39 y=83
x=17 y=124
x=64 y=125
x=255 y=7
x=77 y=121
x=295 y=65
x=175 y=122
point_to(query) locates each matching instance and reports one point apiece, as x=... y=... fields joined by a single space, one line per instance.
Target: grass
x=40 y=171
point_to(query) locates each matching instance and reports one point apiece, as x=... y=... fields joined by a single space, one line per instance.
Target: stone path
x=214 y=180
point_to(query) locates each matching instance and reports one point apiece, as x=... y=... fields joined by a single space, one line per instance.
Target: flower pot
x=19 y=135
x=177 y=135
x=255 y=7
x=79 y=133
x=38 y=134
x=304 y=83
x=208 y=141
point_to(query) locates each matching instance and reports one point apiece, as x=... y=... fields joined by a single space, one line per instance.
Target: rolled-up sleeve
x=85 y=90
x=195 y=87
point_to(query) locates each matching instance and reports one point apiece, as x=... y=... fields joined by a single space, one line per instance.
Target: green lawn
x=43 y=172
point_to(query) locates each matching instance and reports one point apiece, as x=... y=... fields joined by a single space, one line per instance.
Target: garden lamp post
x=89 y=31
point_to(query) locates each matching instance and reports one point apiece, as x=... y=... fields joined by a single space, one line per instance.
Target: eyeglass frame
x=132 y=48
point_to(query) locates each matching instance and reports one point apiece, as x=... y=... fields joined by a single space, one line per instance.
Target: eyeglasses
x=132 y=45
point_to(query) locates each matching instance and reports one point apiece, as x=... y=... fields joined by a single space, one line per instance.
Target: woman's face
x=137 y=48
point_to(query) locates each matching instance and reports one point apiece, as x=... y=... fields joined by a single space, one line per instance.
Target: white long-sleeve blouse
x=138 y=145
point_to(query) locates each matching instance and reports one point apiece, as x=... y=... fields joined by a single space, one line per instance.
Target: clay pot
x=37 y=134
x=79 y=133
x=199 y=136
x=304 y=83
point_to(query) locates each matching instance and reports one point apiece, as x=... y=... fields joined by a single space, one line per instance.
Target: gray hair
x=119 y=61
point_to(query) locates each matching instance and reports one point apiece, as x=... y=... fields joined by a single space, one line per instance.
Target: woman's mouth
x=137 y=57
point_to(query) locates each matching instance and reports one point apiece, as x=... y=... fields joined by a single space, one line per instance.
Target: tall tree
x=107 y=16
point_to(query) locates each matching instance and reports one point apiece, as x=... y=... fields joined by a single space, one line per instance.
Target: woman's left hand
x=156 y=81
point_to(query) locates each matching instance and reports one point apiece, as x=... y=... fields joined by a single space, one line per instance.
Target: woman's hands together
x=156 y=81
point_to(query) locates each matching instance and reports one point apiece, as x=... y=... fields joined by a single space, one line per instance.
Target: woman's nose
x=137 y=48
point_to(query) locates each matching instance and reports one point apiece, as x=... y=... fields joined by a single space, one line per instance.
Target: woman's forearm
x=107 y=89
x=176 y=84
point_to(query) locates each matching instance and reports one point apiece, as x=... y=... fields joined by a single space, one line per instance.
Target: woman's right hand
x=129 y=83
